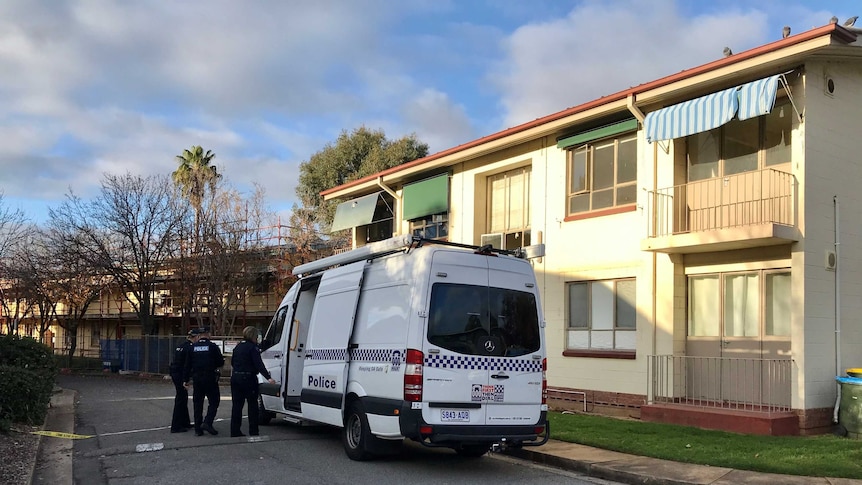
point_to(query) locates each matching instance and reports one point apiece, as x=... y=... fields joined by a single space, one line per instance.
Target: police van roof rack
x=393 y=245
x=486 y=249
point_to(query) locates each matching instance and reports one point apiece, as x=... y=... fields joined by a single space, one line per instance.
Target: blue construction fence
x=150 y=354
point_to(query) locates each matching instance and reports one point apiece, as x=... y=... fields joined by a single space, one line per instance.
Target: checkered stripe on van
x=376 y=355
x=327 y=354
x=482 y=363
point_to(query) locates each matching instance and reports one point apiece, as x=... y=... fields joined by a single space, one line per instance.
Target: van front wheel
x=356 y=435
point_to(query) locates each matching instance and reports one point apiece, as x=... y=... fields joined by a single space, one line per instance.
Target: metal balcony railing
x=753 y=385
x=749 y=198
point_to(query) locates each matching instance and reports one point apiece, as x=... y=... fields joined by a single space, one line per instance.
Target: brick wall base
x=797 y=422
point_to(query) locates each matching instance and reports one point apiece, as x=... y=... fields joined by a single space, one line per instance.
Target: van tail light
x=413 y=376
x=545 y=380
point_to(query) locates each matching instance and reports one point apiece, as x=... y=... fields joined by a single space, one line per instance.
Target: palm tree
x=195 y=175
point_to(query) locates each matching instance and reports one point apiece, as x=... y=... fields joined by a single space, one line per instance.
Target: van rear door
x=483 y=364
x=455 y=372
x=516 y=376
x=324 y=374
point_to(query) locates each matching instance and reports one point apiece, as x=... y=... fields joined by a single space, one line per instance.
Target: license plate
x=451 y=415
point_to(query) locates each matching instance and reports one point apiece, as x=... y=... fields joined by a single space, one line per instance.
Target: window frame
x=423 y=223
x=721 y=278
x=588 y=151
x=721 y=140
x=616 y=328
x=509 y=231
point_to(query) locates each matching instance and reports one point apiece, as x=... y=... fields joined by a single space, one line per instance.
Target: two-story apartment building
x=701 y=231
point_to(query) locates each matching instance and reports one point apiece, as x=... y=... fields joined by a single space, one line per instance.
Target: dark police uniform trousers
x=204 y=358
x=247 y=363
x=180 y=419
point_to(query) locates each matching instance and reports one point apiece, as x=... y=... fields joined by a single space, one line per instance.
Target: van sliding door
x=324 y=374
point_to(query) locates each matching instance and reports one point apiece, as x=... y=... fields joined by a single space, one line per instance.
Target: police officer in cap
x=247 y=364
x=180 y=421
x=203 y=364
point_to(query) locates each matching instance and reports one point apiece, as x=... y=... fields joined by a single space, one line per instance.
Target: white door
x=274 y=350
x=324 y=374
x=484 y=361
x=516 y=376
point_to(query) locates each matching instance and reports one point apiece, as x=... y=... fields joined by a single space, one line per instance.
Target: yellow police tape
x=57 y=434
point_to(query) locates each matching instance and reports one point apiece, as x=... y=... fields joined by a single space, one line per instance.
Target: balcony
x=732 y=394
x=750 y=209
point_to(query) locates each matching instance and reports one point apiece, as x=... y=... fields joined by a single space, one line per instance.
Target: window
x=602 y=315
x=465 y=318
x=602 y=174
x=95 y=336
x=741 y=146
x=276 y=327
x=748 y=304
x=431 y=227
x=509 y=208
x=263 y=283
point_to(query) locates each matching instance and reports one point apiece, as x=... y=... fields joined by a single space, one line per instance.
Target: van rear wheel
x=357 y=434
x=473 y=451
x=263 y=416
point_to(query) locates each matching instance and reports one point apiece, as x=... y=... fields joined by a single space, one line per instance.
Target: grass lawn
x=821 y=455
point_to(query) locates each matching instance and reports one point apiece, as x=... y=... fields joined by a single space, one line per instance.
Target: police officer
x=203 y=365
x=246 y=364
x=180 y=421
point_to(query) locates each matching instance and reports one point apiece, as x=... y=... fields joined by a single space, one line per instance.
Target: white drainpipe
x=837 y=307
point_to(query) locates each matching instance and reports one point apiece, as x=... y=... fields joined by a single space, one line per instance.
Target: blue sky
x=111 y=86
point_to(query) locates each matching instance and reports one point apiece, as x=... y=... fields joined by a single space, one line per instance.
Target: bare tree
x=19 y=288
x=234 y=253
x=126 y=233
x=32 y=262
x=68 y=281
x=13 y=227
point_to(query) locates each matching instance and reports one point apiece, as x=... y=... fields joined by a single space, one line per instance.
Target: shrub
x=27 y=373
x=27 y=353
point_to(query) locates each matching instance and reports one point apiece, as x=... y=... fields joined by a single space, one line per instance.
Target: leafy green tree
x=353 y=156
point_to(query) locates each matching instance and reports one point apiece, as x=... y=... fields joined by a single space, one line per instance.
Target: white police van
x=438 y=342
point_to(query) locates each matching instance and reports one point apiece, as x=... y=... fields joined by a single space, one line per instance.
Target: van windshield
x=479 y=320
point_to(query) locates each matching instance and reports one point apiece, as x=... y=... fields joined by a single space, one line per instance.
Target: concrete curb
x=54 y=455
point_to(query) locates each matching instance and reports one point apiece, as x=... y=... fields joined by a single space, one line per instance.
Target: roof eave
x=768 y=57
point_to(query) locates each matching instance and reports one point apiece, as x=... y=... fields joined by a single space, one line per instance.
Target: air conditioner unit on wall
x=495 y=240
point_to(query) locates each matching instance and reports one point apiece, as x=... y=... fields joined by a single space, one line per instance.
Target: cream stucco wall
x=831 y=171
x=826 y=163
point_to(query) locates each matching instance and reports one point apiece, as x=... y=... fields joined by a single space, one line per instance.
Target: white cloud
x=94 y=86
x=441 y=122
x=604 y=47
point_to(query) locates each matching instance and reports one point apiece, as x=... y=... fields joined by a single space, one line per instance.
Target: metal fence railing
x=149 y=354
x=748 y=198
x=754 y=385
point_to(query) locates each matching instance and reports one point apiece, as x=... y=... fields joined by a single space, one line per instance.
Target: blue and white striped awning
x=703 y=114
x=690 y=117
x=757 y=97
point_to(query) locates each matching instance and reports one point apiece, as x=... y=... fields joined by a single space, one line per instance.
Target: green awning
x=356 y=212
x=426 y=197
x=603 y=132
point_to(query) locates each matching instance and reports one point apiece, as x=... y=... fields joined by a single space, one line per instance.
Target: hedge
x=27 y=373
